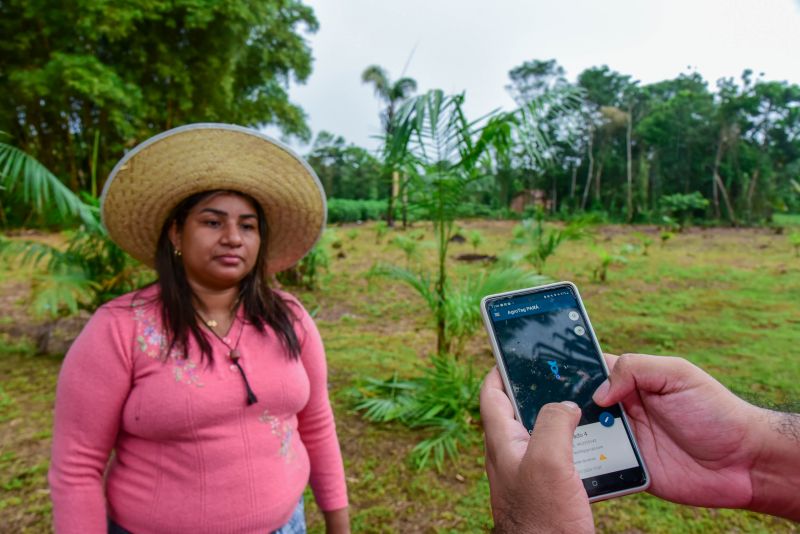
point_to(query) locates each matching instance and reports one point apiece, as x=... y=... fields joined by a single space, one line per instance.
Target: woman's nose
x=232 y=235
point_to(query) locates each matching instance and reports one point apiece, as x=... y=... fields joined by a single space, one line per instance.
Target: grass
x=725 y=299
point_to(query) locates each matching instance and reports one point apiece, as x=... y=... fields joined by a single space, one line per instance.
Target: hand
x=695 y=435
x=337 y=521
x=533 y=483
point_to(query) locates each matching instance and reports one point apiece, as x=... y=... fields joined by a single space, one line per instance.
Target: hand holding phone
x=547 y=352
x=534 y=486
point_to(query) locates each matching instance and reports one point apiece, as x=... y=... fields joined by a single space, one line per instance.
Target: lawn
x=727 y=299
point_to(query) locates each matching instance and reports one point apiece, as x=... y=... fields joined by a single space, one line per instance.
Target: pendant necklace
x=233 y=354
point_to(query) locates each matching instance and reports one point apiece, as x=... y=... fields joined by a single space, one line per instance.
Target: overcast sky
x=470 y=45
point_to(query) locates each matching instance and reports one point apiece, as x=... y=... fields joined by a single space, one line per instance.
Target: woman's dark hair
x=262 y=306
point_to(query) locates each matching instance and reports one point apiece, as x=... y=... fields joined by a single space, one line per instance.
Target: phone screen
x=550 y=355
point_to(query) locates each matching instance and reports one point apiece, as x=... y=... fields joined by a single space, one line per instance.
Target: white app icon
x=579 y=331
x=574 y=315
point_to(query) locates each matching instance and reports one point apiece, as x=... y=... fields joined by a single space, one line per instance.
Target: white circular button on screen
x=579 y=331
x=574 y=315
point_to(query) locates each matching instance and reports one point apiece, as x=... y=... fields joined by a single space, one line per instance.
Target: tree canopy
x=123 y=71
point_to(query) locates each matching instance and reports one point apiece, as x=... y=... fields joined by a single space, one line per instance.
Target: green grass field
x=726 y=299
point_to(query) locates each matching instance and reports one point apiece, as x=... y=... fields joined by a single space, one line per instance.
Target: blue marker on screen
x=606 y=419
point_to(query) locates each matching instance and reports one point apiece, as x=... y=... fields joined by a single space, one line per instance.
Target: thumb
x=550 y=449
x=653 y=374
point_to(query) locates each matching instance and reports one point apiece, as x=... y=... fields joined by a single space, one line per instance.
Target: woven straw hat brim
x=159 y=173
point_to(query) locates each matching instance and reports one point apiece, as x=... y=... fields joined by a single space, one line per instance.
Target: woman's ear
x=175 y=236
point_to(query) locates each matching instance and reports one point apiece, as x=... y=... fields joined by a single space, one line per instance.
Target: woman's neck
x=215 y=303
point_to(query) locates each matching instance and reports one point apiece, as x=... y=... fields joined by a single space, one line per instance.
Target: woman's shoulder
x=126 y=305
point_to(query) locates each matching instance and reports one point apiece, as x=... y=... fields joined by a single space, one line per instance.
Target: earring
x=177 y=253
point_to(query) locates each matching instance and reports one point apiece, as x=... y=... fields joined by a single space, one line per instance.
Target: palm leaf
x=39 y=187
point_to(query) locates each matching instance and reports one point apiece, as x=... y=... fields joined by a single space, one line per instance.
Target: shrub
x=349 y=210
x=443 y=399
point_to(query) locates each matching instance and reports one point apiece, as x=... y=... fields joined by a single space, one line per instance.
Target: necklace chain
x=234 y=354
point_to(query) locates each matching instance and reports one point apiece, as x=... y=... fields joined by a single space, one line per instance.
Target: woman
x=210 y=387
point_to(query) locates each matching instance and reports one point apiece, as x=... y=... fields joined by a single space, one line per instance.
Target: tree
x=345 y=170
x=391 y=93
x=127 y=70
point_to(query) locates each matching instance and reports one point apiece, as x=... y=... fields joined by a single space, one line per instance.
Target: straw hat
x=150 y=180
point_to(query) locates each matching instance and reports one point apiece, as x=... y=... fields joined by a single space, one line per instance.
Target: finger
x=611 y=360
x=501 y=428
x=654 y=374
x=550 y=449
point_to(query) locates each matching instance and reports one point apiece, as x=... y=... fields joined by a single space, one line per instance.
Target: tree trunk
x=589 y=173
x=715 y=188
x=718 y=181
x=404 y=202
x=629 y=156
x=574 y=184
x=391 y=201
x=750 y=193
x=597 y=182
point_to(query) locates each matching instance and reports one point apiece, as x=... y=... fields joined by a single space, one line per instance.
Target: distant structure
x=530 y=197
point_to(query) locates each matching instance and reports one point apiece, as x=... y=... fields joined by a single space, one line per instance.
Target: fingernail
x=571 y=405
x=602 y=391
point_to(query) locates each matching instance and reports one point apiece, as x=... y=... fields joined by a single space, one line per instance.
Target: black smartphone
x=546 y=351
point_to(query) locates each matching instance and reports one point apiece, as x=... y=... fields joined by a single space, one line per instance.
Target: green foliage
x=346 y=170
x=682 y=206
x=130 y=69
x=347 y=210
x=409 y=246
x=306 y=272
x=90 y=271
x=21 y=175
x=794 y=240
x=645 y=242
x=605 y=260
x=443 y=400
x=475 y=239
x=666 y=236
x=543 y=242
x=381 y=229
x=461 y=307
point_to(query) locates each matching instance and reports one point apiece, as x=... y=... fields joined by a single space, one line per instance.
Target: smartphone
x=546 y=351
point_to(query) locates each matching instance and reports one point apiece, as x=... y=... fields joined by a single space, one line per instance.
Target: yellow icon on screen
x=603 y=458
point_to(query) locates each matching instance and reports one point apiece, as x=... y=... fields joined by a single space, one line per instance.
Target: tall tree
x=126 y=70
x=392 y=94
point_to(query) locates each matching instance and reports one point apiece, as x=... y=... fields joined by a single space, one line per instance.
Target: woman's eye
x=249 y=227
x=212 y=223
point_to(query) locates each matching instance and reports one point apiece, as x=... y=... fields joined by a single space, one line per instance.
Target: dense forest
x=633 y=151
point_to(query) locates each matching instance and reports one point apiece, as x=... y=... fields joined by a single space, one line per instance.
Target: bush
x=349 y=210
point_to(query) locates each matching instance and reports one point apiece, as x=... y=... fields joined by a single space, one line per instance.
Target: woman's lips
x=229 y=259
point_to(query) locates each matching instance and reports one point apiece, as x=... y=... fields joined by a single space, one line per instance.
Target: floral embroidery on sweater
x=282 y=430
x=152 y=341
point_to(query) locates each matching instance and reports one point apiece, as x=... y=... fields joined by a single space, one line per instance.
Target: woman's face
x=219 y=242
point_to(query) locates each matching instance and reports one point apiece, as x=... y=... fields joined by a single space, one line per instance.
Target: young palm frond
x=39 y=187
x=443 y=399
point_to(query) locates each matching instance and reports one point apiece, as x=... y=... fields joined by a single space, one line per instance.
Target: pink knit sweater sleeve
x=92 y=387
x=317 y=427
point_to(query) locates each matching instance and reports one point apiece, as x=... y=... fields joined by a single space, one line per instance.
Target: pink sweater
x=190 y=455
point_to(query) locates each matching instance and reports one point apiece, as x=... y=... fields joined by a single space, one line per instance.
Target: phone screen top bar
x=516 y=306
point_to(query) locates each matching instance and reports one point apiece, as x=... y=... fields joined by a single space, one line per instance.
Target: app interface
x=550 y=356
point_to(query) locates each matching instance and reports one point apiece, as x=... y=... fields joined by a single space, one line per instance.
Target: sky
x=470 y=45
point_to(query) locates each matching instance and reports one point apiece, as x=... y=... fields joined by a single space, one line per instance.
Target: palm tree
x=392 y=93
x=92 y=269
